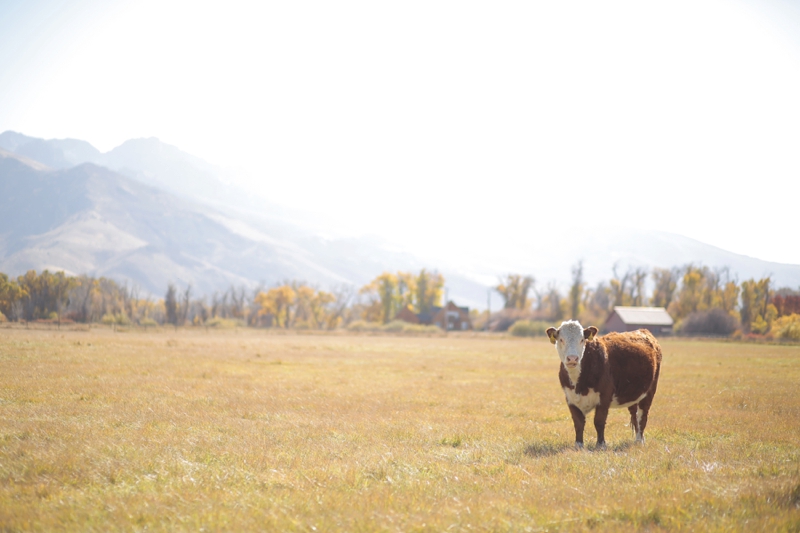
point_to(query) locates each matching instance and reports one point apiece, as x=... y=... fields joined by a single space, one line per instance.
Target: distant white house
x=656 y=319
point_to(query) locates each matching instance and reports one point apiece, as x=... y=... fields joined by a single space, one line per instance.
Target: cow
x=598 y=373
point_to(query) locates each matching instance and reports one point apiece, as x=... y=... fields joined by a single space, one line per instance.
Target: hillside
x=93 y=220
x=88 y=219
x=150 y=213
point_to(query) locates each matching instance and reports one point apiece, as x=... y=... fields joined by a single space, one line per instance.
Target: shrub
x=712 y=322
x=148 y=322
x=505 y=318
x=418 y=329
x=223 y=323
x=119 y=319
x=529 y=328
x=395 y=326
x=362 y=325
x=3 y=318
x=787 y=328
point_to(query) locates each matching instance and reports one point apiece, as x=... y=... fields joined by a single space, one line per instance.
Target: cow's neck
x=574 y=374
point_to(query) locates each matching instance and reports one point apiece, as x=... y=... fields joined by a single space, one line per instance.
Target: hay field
x=247 y=430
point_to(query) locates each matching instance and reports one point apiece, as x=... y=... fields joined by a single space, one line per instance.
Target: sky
x=443 y=125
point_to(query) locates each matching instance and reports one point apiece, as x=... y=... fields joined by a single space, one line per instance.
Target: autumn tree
x=319 y=308
x=756 y=311
x=596 y=304
x=666 y=282
x=171 y=305
x=619 y=287
x=553 y=308
x=428 y=291
x=576 y=290
x=786 y=301
x=406 y=290
x=638 y=278
x=277 y=302
x=515 y=289
x=45 y=294
x=691 y=292
x=340 y=310
x=10 y=294
x=184 y=308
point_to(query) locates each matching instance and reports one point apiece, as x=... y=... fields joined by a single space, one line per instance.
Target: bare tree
x=576 y=290
x=185 y=304
x=515 y=289
x=171 y=305
x=666 y=282
x=638 y=277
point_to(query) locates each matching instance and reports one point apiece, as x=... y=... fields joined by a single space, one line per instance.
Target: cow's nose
x=572 y=359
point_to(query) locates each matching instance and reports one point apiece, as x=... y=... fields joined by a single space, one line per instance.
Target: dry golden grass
x=246 y=430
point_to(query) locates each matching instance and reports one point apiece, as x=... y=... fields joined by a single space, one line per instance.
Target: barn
x=656 y=319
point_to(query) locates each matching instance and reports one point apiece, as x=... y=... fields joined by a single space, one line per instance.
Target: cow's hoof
x=578 y=445
x=640 y=440
x=601 y=446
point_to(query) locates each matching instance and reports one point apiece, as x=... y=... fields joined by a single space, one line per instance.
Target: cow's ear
x=589 y=333
x=552 y=332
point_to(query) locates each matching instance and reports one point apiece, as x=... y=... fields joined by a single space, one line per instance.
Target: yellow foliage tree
x=515 y=289
x=756 y=312
x=429 y=291
x=383 y=292
x=277 y=302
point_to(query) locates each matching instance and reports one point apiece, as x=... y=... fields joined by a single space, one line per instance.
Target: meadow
x=191 y=430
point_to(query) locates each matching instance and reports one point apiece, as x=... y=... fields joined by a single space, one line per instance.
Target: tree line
x=700 y=299
x=291 y=304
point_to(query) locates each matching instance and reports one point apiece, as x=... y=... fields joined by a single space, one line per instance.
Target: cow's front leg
x=579 y=419
x=600 y=415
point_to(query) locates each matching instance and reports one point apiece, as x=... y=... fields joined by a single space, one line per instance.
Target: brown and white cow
x=615 y=370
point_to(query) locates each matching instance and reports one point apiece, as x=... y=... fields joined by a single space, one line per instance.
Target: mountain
x=150 y=213
x=88 y=219
x=55 y=153
x=606 y=248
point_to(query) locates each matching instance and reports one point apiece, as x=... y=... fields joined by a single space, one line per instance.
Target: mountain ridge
x=103 y=220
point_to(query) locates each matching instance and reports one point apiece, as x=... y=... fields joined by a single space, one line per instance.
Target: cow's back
x=634 y=360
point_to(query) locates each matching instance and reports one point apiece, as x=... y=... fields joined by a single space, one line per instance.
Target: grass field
x=247 y=430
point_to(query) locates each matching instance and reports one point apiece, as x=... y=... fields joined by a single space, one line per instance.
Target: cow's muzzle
x=572 y=361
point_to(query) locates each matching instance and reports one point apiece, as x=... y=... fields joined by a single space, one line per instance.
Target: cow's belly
x=616 y=403
x=584 y=402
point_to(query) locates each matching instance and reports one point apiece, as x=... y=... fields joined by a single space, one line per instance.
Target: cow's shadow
x=547 y=449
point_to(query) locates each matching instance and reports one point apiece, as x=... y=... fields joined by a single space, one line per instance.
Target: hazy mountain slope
x=11 y=140
x=5 y=154
x=55 y=153
x=601 y=250
x=34 y=201
x=273 y=242
x=90 y=219
x=219 y=234
x=153 y=163
x=166 y=167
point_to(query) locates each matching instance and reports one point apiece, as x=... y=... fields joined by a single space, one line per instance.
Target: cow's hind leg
x=579 y=420
x=644 y=407
x=641 y=418
x=634 y=419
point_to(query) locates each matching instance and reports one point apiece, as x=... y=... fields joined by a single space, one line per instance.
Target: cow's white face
x=570 y=340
